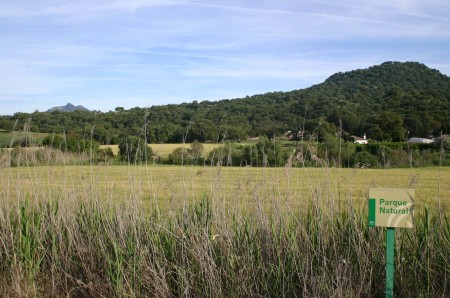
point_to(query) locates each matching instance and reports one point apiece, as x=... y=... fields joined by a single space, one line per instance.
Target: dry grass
x=168 y=185
x=163 y=231
x=163 y=150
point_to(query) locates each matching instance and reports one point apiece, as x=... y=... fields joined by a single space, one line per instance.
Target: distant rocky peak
x=68 y=108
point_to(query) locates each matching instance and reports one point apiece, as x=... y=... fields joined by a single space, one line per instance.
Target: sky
x=104 y=54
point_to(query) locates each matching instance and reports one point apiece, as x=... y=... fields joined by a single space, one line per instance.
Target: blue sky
x=139 y=53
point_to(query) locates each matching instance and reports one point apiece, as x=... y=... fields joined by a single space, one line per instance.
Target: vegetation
x=101 y=251
x=388 y=102
x=333 y=151
x=213 y=231
x=134 y=150
x=13 y=139
x=71 y=143
x=78 y=219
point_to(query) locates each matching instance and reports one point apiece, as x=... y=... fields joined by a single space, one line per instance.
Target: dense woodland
x=384 y=101
x=388 y=102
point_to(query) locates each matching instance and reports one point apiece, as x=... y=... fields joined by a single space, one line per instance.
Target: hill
x=68 y=108
x=388 y=102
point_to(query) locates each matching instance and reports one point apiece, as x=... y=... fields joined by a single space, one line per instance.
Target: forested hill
x=384 y=101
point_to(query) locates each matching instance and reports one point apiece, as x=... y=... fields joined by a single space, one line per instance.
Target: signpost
x=391 y=208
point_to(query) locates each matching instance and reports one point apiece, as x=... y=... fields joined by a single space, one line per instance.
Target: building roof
x=358 y=138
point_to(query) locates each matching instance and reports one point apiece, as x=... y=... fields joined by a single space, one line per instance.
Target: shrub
x=363 y=160
x=191 y=156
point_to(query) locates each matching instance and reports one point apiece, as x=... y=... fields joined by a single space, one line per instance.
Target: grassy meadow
x=164 y=231
x=164 y=150
x=285 y=188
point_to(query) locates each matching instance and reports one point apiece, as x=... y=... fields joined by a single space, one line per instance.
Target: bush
x=105 y=156
x=265 y=153
x=179 y=156
x=191 y=156
x=227 y=155
x=363 y=160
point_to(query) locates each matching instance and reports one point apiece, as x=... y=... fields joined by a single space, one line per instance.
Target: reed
x=152 y=231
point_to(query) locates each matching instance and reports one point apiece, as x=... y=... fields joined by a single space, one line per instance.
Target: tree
x=134 y=150
x=228 y=154
x=71 y=143
x=330 y=147
x=196 y=150
x=266 y=153
x=203 y=130
x=379 y=99
x=179 y=156
x=391 y=124
x=233 y=133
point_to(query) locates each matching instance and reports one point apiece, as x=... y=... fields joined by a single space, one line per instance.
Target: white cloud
x=76 y=8
x=183 y=49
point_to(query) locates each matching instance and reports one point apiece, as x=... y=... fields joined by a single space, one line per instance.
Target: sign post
x=391 y=208
x=390 y=251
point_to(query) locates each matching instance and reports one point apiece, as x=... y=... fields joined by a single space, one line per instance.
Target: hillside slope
x=390 y=101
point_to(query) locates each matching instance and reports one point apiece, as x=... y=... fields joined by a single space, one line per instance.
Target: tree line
x=387 y=102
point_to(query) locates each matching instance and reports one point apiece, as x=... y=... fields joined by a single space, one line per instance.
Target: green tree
x=134 y=150
x=196 y=150
x=391 y=124
x=203 y=130
x=330 y=148
x=71 y=143
x=179 y=156
x=266 y=153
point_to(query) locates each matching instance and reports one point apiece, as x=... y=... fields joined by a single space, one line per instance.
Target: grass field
x=288 y=187
x=164 y=150
x=164 y=231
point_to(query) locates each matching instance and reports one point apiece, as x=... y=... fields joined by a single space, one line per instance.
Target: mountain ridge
x=67 y=108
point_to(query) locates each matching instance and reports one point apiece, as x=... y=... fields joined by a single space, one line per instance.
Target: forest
x=389 y=103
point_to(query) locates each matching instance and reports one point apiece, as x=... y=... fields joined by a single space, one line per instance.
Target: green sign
x=391 y=208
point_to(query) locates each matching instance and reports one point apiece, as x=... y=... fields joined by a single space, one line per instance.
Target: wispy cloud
x=154 y=51
x=75 y=8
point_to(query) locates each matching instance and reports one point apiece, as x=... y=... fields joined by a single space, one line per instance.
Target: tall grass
x=73 y=238
x=98 y=250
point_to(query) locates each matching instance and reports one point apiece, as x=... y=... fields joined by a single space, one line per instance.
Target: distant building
x=420 y=140
x=359 y=140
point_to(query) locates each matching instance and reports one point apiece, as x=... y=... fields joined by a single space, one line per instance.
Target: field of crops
x=164 y=150
x=173 y=185
x=215 y=231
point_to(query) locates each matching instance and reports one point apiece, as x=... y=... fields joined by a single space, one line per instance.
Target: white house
x=359 y=140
